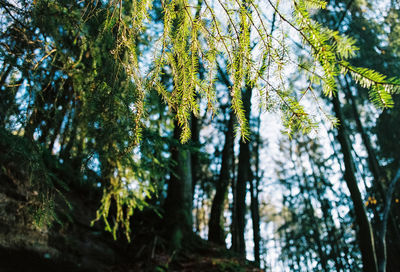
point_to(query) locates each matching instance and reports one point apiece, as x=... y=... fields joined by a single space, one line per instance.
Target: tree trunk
x=373 y=163
x=216 y=231
x=383 y=227
x=255 y=217
x=238 y=242
x=194 y=156
x=178 y=204
x=364 y=230
x=254 y=192
x=380 y=181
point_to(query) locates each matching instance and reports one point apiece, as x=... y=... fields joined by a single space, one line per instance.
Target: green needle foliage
x=205 y=32
x=101 y=61
x=381 y=88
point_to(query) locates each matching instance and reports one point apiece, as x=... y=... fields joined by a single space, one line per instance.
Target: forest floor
x=207 y=258
x=59 y=237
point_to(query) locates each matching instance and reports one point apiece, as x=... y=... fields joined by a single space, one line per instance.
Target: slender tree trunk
x=254 y=192
x=216 y=231
x=255 y=218
x=238 y=242
x=383 y=227
x=373 y=163
x=380 y=181
x=364 y=230
x=178 y=204
x=233 y=209
x=194 y=156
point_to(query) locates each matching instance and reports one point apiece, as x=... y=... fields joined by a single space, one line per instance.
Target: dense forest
x=200 y=135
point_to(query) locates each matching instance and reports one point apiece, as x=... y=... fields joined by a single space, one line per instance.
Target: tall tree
x=365 y=233
x=255 y=181
x=243 y=177
x=216 y=230
x=178 y=205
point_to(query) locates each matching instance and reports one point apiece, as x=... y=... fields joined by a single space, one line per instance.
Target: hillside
x=49 y=230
